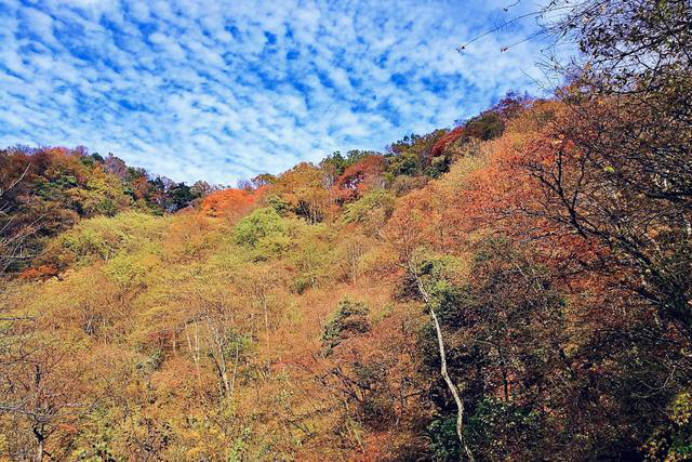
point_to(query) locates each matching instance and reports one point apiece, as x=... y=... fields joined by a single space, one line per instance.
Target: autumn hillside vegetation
x=515 y=288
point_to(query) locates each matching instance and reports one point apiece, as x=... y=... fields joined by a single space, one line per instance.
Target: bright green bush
x=265 y=223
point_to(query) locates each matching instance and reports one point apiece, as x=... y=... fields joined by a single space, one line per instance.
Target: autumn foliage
x=537 y=254
x=358 y=178
x=229 y=202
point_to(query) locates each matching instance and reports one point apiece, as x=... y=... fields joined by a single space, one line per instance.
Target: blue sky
x=224 y=90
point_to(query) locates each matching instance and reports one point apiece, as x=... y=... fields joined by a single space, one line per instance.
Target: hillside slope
x=291 y=320
x=516 y=288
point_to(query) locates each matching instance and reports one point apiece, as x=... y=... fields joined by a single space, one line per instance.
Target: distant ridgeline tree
x=339 y=163
x=47 y=190
x=432 y=154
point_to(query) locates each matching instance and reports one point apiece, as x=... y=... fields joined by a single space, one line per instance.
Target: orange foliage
x=506 y=197
x=229 y=202
x=421 y=220
x=503 y=197
x=140 y=187
x=360 y=177
x=41 y=272
x=508 y=193
x=445 y=141
x=304 y=188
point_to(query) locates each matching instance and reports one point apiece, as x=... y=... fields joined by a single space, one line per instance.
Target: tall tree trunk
x=452 y=388
x=39 y=444
x=443 y=368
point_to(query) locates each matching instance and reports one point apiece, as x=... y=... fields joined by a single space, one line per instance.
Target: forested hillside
x=515 y=288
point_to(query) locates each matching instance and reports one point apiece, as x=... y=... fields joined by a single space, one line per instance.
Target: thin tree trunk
x=235 y=366
x=39 y=452
x=195 y=355
x=443 y=370
x=226 y=383
x=266 y=315
x=452 y=388
x=39 y=440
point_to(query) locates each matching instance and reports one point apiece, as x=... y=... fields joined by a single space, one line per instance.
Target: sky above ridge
x=224 y=90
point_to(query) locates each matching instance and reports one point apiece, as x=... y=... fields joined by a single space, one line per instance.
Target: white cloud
x=225 y=90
